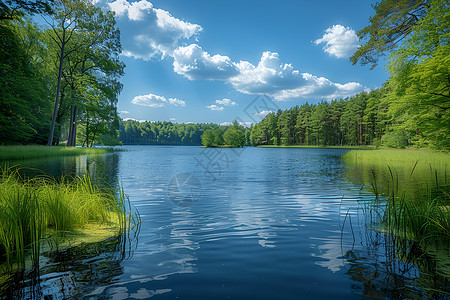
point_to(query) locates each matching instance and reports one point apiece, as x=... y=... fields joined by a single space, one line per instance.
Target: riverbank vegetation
x=412 y=200
x=232 y=137
x=37 y=208
x=39 y=151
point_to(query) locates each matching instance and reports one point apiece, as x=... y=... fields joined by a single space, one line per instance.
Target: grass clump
x=421 y=212
x=31 y=209
x=36 y=151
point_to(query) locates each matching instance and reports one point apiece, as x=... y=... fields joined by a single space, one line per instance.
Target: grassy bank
x=326 y=147
x=36 y=208
x=415 y=191
x=36 y=151
x=403 y=156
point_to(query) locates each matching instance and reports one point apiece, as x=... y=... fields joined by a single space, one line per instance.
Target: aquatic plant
x=31 y=209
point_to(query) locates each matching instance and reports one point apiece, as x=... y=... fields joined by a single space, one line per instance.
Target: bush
x=395 y=139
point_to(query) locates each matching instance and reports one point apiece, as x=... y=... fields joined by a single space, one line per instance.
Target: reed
x=31 y=209
x=36 y=151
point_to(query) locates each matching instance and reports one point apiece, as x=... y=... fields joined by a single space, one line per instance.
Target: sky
x=206 y=61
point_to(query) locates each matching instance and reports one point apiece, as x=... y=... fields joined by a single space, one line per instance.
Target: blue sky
x=205 y=61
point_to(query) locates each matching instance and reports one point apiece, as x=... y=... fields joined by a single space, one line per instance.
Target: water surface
x=251 y=223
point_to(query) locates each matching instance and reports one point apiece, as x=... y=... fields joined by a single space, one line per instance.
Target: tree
x=208 y=138
x=24 y=108
x=87 y=45
x=393 y=21
x=16 y=9
x=420 y=83
x=234 y=138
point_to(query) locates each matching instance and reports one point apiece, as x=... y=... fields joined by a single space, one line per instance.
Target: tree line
x=412 y=107
x=360 y=120
x=58 y=80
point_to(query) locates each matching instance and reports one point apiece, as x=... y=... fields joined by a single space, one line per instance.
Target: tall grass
x=35 y=151
x=392 y=156
x=33 y=208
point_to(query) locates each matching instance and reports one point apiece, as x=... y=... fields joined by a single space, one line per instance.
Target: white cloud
x=152 y=100
x=194 y=63
x=269 y=76
x=339 y=41
x=281 y=81
x=215 y=107
x=263 y=113
x=172 y=119
x=150 y=31
x=226 y=102
x=320 y=87
x=132 y=119
x=177 y=102
x=124 y=112
x=245 y=124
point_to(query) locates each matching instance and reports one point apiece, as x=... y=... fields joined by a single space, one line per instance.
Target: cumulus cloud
x=339 y=41
x=150 y=31
x=245 y=124
x=280 y=80
x=269 y=76
x=177 y=102
x=155 y=101
x=320 y=87
x=215 y=107
x=263 y=113
x=172 y=119
x=226 y=102
x=132 y=119
x=194 y=63
x=154 y=32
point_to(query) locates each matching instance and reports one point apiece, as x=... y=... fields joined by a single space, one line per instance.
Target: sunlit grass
x=392 y=156
x=33 y=208
x=310 y=146
x=36 y=151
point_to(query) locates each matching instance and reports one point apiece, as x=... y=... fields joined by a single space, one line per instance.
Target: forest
x=59 y=78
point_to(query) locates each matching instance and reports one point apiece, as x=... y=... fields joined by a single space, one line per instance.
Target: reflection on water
x=71 y=271
x=275 y=224
x=388 y=264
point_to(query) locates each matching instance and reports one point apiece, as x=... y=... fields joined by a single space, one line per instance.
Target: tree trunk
x=55 y=110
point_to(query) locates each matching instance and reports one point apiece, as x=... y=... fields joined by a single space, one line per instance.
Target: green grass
x=414 y=188
x=327 y=147
x=405 y=156
x=31 y=209
x=36 y=151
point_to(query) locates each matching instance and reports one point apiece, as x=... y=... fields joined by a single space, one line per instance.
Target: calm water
x=254 y=223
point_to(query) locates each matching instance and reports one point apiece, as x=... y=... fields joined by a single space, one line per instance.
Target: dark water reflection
x=268 y=224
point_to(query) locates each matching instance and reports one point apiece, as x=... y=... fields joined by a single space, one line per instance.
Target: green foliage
x=392 y=22
x=208 y=138
x=25 y=107
x=234 y=137
x=359 y=120
x=15 y=9
x=396 y=139
x=34 y=208
x=416 y=36
x=164 y=133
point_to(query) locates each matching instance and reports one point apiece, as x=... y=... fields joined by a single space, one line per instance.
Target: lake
x=250 y=223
